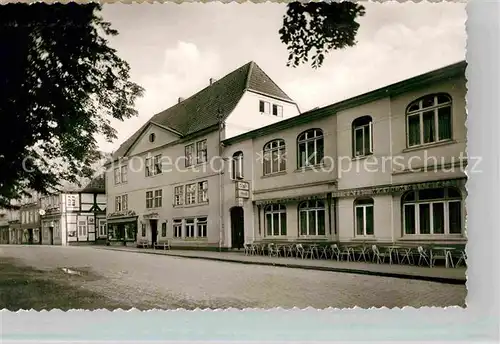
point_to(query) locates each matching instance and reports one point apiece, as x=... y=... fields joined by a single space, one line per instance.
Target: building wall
x=247 y=116
x=175 y=174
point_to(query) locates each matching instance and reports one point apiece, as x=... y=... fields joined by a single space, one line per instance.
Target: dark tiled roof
x=96 y=185
x=203 y=109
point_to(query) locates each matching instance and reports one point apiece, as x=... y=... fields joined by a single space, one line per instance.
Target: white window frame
x=179 y=195
x=304 y=138
x=189 y=154
x=157 y=165
x=71 y=201
x=364 y=207
x=202 y=191
x=102 y=228
x=117 y=176
x=361 y=151
x=446 y=201
x=82 y=228
x=191 y=195
x=279 y=110
x=420 y=113
x=177 y=228
x=149 y=199
x=201 y=227
x=308 y=210
x=201 y=152
x=158 y=198
x=190 y=226
x=275 y=147
x=237 y=166
x=273 y=209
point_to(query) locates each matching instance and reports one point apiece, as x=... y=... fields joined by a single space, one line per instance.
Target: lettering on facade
x=242 y=194
x=243 y=186
x=121 y=214
x=292 y=199
x=397 y=188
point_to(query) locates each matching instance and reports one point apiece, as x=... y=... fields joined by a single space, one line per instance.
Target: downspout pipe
x=221 y=183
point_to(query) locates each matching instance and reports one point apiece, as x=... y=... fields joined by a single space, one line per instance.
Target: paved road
x=153 y=281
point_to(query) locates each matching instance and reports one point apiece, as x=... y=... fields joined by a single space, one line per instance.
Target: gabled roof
x=96 y=185
x=419 y=81
x=212 y=104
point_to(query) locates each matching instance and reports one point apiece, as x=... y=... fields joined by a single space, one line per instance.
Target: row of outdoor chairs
x=360 y=253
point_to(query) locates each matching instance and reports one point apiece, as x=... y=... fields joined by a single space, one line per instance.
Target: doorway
x=51 y=235
x=30 y=236
x=154 y=231
x=237 y=227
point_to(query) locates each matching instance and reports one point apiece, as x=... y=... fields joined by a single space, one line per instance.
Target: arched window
x=362 y=139
x=237 y=165
x=428 y=120
x=310 y=148
x=312 y=218
x=363 y=216
x=274 y=157
x=432 y=211
x=275 y=219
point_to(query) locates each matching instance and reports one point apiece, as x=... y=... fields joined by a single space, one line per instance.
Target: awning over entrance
x=298 y=198
x=389 y=189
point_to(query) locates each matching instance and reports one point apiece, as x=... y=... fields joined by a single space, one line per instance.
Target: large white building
x=166 y=180
x=386 y=166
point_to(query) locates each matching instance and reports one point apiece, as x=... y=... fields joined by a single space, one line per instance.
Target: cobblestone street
x=155 y=281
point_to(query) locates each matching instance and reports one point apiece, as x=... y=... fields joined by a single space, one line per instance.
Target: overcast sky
x=173 y=50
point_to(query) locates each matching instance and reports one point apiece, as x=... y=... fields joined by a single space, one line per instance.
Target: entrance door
x=154 y=231
x=30 y=236
x=51 y=235
x=237 y=228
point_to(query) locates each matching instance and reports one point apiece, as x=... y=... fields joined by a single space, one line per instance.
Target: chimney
x=180 y=100
x=212 y=80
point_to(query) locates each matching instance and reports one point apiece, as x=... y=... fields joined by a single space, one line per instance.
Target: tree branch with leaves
x=311 y=30
x=60 y=85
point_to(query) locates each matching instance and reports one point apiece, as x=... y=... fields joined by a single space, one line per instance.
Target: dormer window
x=152 y=137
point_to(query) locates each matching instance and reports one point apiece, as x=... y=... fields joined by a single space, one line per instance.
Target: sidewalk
x=436 y=274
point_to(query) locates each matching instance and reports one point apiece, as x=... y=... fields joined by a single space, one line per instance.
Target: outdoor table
x=447 y=254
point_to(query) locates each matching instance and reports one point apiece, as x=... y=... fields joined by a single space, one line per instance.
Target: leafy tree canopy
x=60 y=84
x=315 y=28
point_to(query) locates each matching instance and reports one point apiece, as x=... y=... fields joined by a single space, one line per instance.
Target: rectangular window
x=321 y=222
x=201 y=224
x=149 y=199
x=438 y=218
x=118 y=203
x=158 y=198
x=444 y=123
x=190 y=228
x=203 y=192
x=429 y=126
x=237 y=166
x=303 y=223
x=413 y=130
x=360 y=221
x=425 y=218
x=277 y=110
x=82 y=228
x=102 y=228
x=118 y=179
x=201 y=151
x=409 y=219
x=143 y=230
x=164 y=229
x=455 y=217
x=149 y=167
x=158 y=164
x=124 y=202
x=124 y=177
x=189 y=153
x=178 y=195
x=177 y=228
x=71 y=201
x=190 y=194
x=269 y=224
x=267 y=107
